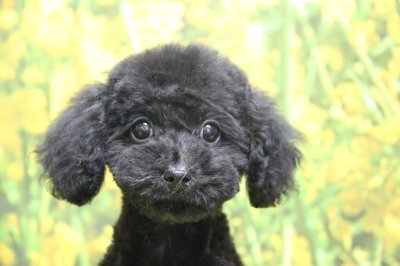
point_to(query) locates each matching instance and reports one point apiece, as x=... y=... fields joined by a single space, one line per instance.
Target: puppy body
x=177 y=126
x=139 y=240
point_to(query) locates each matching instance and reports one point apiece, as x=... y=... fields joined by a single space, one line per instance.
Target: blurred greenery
x=333 y=66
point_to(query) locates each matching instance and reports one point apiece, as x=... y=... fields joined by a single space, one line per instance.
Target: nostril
x=169 y=178
x=185 y=179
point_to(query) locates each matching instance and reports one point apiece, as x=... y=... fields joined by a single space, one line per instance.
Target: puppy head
x=178 y=127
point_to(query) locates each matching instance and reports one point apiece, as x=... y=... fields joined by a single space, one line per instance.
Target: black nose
x=176 y=175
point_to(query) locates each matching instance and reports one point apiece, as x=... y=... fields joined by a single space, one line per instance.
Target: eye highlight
x=210 y=131
x=141 y=130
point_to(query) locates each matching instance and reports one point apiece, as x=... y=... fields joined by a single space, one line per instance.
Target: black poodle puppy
x=178 y=126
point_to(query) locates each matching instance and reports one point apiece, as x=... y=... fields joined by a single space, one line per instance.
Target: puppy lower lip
x=176 y=205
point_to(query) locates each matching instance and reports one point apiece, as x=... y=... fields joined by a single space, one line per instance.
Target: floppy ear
x=71 y=153
x=273 y=156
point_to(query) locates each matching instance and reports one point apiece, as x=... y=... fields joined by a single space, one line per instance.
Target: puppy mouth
x=177 y=211
x=177 y=208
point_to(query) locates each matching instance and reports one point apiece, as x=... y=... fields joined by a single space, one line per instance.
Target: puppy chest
x=173 y=248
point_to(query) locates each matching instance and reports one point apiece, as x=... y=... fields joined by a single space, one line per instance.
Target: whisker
x=177 y=187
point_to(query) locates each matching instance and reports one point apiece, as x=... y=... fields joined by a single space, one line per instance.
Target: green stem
x=371 y=104
x=287 y=243
x=130 y=25
x=255 y=247
x=306 y=229
x=378 y=259
x=311 y=42
x=83 y=256
x=336 y=242
x=285 y=67
x=398 y=7
x=370 y=69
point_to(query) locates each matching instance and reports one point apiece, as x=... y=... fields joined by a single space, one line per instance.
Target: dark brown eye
x=210 y=132
x=141 y=130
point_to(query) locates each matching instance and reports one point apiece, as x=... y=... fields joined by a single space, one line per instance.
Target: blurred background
x=333 y=67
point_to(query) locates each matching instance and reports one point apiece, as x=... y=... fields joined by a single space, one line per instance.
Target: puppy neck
x=161 y=242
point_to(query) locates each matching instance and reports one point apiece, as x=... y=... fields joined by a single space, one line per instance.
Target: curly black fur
x=176 y=89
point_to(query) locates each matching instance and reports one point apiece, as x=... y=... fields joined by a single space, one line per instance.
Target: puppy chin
x=177 y=212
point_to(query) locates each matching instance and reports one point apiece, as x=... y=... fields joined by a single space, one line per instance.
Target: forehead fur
x=192 y=65
x=170 y=72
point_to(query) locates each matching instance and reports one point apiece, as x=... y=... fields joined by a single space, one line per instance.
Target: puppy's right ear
x=72 y=152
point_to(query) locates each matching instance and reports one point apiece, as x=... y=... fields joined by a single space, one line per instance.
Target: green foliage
x=333 y=66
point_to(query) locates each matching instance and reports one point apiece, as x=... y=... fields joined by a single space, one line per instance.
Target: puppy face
x=180 y=147
x=178 y=163
x=177 y=126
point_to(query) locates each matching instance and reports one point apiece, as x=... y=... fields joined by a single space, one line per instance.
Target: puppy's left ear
x=273 y=156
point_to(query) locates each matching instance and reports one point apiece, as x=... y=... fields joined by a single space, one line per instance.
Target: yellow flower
x=275 y=240
x=55 y=32
x=335 y=10
x=96 y=57
x=11 y=50
x=341 y=230
x=195 y=17
x=350 y=98
x=328 y=138
x=46 y=225
x=8 y=19
x=268 y=255
x=332 y=56
x=15 y=171
x=7 y=256
x=392 y=27
x=365 y=33
x=107 y=3
x=12 y=219
x=393 y=64
x=60 y=91
x=351 y=202
x=388 y=131
x=9 y=139
x=361 y=255
x=30 y=106
x=32 y=75
x=98 y=246
x=6 y=72
x=311 y=118
x=391 y=228
x=364 y=145
x=109 y=183
x=383 y=8
x=372 y=220
x=301 y=251
x=62 y=248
